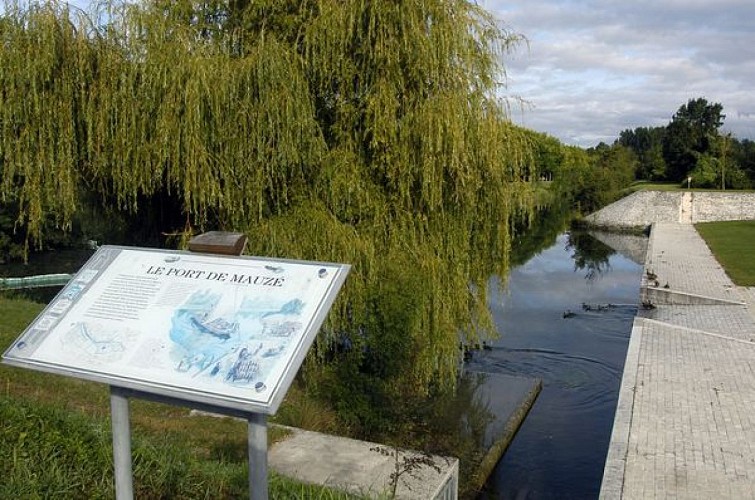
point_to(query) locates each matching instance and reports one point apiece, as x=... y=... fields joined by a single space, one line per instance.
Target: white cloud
x=595 y=68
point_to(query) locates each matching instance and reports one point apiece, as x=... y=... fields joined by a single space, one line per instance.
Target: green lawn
x=669 y=186
x=654 y=186
x=55 y=439
x=733 y=244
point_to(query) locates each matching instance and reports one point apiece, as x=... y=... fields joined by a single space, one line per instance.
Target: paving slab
x=692 y=417
x=360 y=467
x=732 y=321
x=679 y=260
x=685 y=420
x=748 y=296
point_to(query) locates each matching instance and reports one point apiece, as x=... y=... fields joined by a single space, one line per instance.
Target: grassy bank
x=653 y=186
x=672 y=186
x=56 y=443
x=732 y=243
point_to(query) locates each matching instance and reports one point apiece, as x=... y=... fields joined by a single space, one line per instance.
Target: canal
x=565 y=316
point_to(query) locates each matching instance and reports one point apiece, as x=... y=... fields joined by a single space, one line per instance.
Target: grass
x=653 y=186
x=670 y=186
x=732 y=243
x=55 y=439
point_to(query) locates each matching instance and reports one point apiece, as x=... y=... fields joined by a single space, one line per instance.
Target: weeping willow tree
x=357 y=131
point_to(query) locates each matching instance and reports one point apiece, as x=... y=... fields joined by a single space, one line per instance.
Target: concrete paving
x=361 y=467
x=682 y=262
x=685 y=420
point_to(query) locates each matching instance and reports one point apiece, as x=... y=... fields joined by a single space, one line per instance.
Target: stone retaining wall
x=711 y=207
x=643 y=208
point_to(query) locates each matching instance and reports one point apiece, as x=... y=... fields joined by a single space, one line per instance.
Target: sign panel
x=219 y=330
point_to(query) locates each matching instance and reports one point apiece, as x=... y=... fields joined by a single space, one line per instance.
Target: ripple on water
x=592 y=382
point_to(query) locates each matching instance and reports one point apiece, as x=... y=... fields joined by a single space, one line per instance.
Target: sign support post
x=119 y=415
x=257 y=443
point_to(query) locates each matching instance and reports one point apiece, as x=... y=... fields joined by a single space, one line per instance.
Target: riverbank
x=684 y=425
x=375 y=470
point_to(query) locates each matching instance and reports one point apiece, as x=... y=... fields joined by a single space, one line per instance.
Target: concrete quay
x=685 y=420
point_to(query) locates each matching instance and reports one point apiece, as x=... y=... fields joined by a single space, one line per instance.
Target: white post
x=119 y=414
x=257 y=456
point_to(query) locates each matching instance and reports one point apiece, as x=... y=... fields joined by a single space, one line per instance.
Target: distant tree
x=693 y=131
x=721 y=169
x=647 y=144
x=743 y=155
x=567 y=166
x=548 y=155
x=707 y=170
x=595 y=177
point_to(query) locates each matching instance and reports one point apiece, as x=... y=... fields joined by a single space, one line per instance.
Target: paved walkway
x=685 y=420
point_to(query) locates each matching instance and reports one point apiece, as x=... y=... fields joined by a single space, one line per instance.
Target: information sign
x=219 y=330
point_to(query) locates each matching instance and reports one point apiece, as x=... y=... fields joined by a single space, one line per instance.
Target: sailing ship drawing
x=219 y=327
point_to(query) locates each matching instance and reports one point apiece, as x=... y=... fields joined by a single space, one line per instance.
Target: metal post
x=119 y=414
x=257 y=456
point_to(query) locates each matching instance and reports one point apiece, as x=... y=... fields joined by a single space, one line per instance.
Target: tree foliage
x=692 y=132
x=359 y=131
x=586 y=179
x=692 y=145
x=647 y=144
x=743 y=155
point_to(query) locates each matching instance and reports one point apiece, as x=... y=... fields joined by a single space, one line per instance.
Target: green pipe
x=34 y=281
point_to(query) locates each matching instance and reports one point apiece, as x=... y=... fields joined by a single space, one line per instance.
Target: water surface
x=559 y=452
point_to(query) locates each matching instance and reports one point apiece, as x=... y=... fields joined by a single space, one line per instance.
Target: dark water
x=560 y=450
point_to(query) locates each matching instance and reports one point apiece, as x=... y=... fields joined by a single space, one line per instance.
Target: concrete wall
x=643 y=208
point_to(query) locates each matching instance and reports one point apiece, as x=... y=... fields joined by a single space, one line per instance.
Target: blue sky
x=593 y=68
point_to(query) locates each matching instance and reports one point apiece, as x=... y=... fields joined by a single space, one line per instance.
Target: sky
x=592 y=68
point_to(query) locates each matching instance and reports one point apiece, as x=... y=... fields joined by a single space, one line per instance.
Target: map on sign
x=228 y=331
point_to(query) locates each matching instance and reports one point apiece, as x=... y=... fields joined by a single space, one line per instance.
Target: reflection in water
x=589 y=254
x=454 y=424
x=560 y=450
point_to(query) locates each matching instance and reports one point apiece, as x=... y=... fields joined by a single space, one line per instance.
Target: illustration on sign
x=237 y=346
